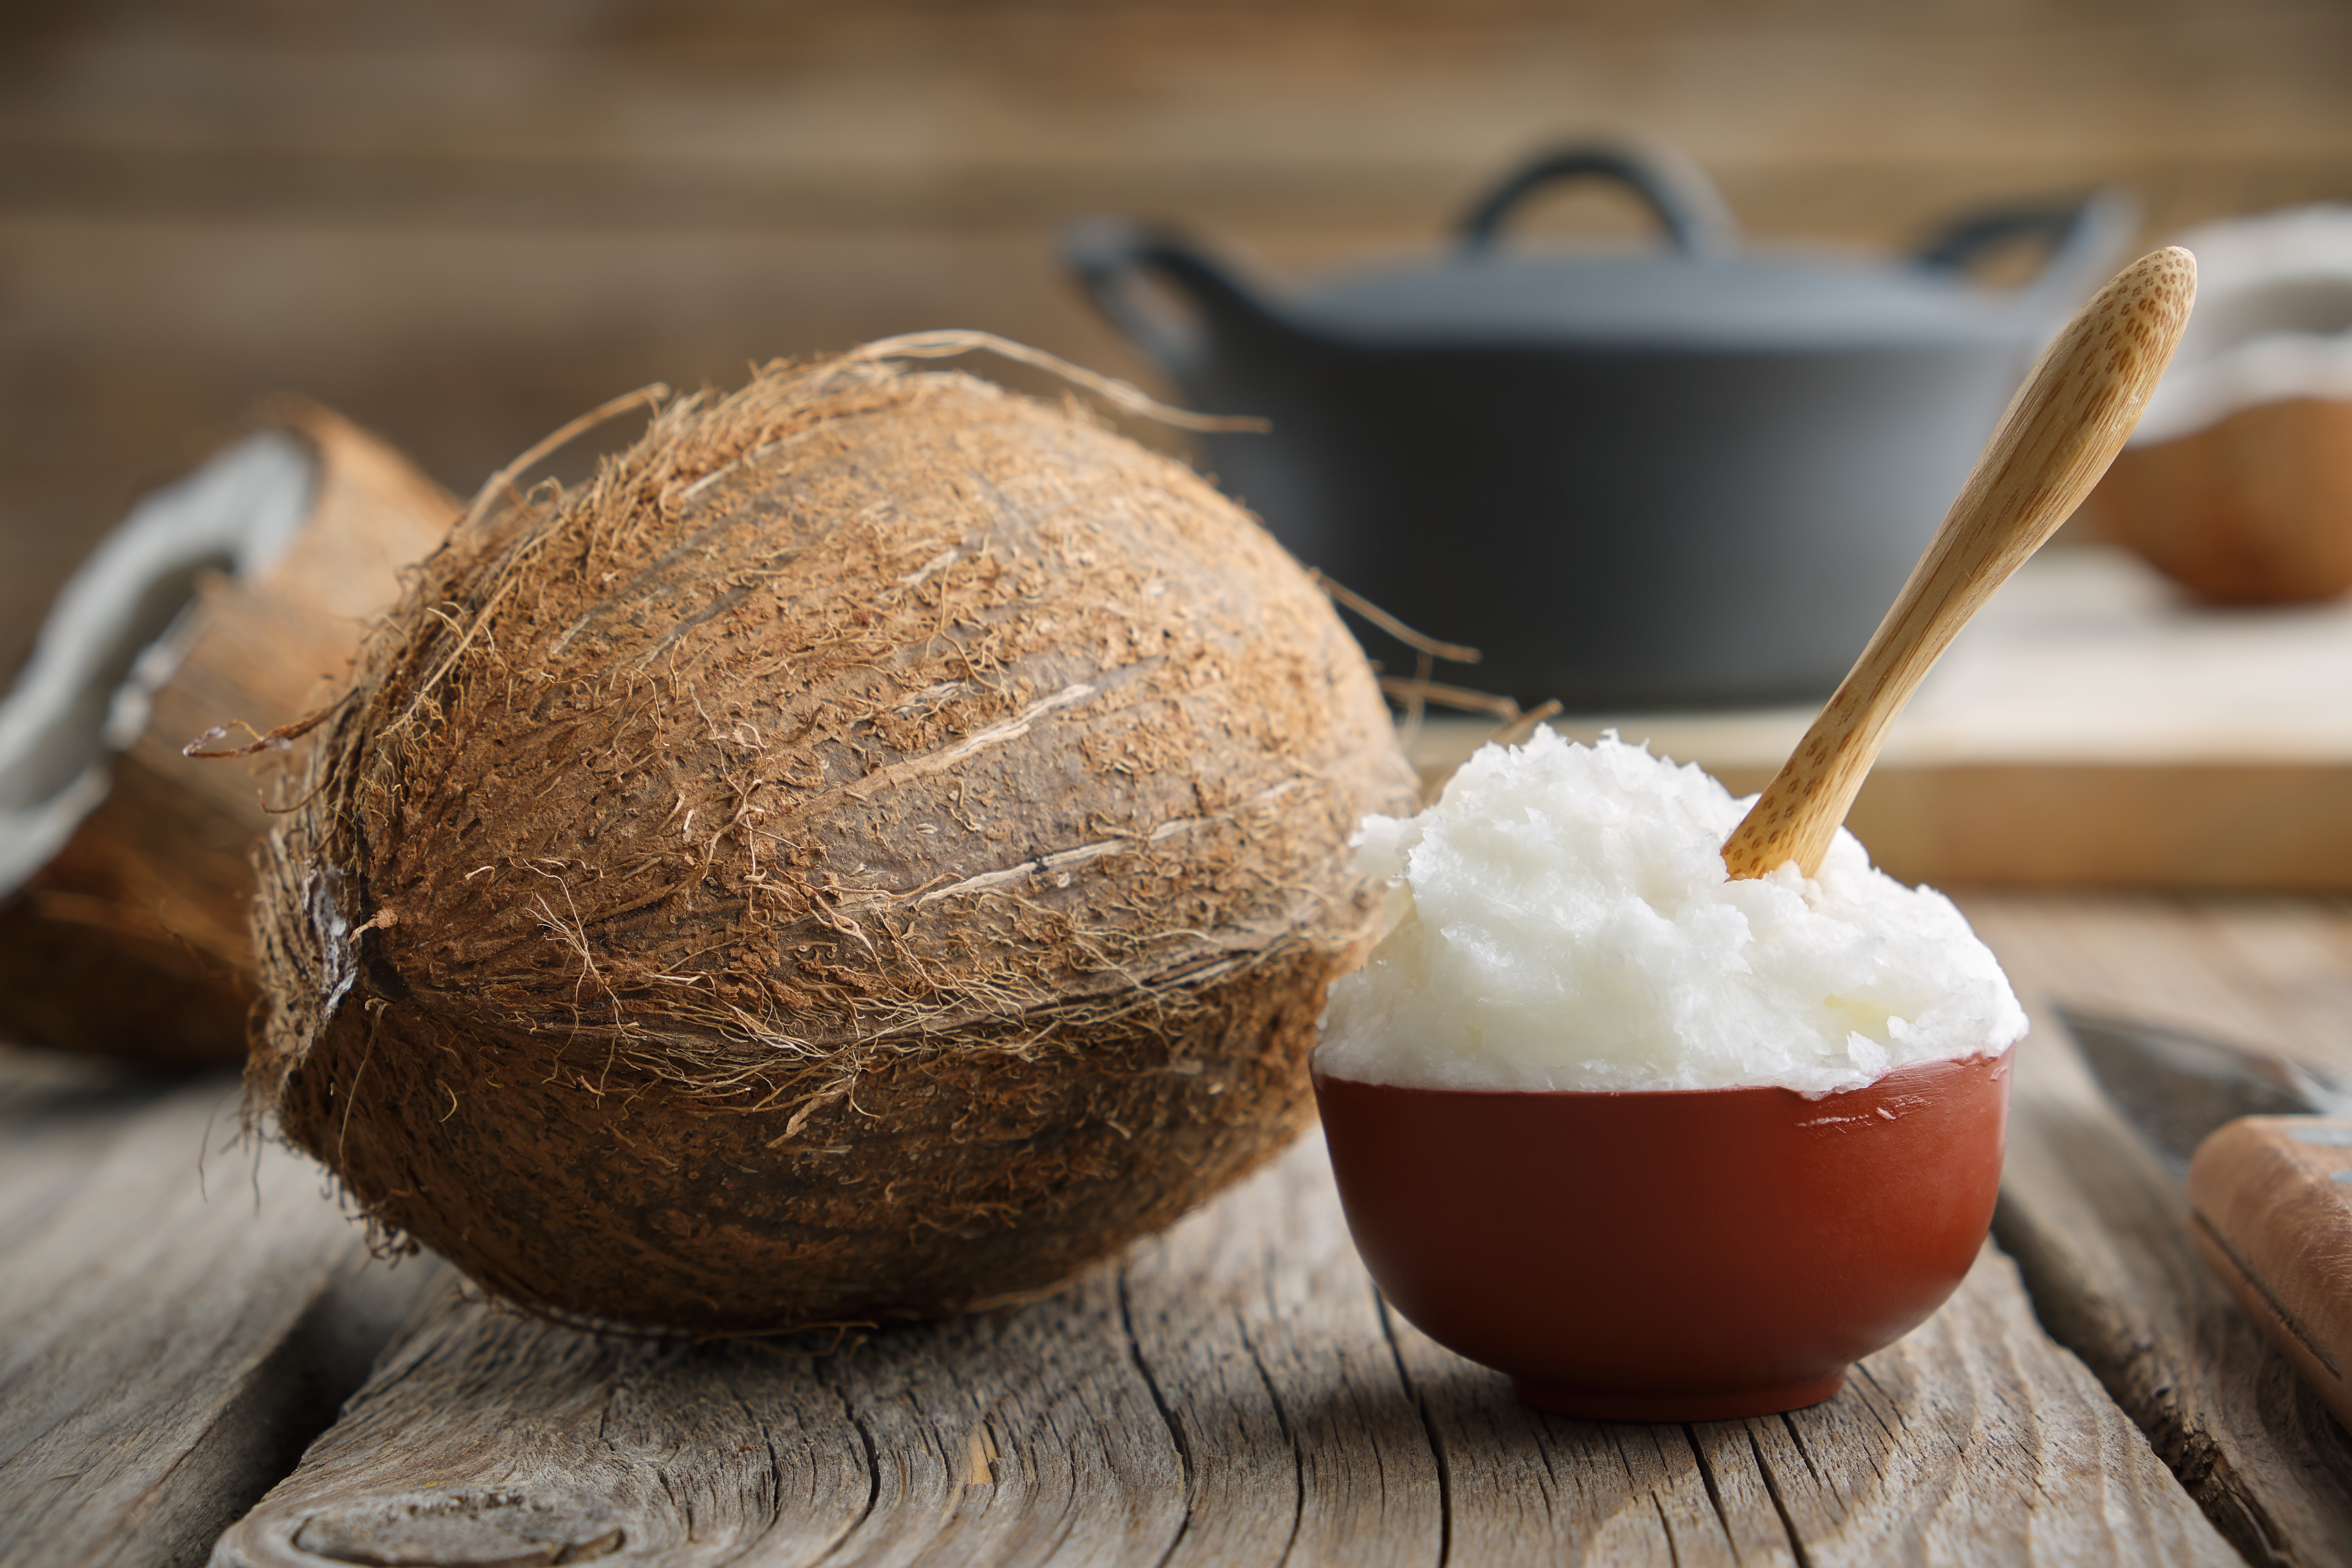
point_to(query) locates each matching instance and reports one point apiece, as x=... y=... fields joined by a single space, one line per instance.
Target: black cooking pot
x=1691 y=476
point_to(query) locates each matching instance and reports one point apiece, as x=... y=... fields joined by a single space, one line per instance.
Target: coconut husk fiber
x=877 y=848
x=135 y=938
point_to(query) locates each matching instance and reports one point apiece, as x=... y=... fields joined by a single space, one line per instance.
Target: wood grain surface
x=177 y=1317
x=1233 y=1393
x=173 y=1329
x=2102 y=1233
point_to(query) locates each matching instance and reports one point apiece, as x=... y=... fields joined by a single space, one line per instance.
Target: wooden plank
x=1972 y=1440
x=1025 y=1436
x=179 y=1316
x=2252 y=822
x=1264 y=1343
x=1232 y=1393
x=2089 y=729
x=899 y=112
x=2102 y=1233
x=2282 y=824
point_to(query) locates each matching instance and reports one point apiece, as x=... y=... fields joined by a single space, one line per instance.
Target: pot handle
x=1111 y=256
x=2084 y=236
x=1697 y=221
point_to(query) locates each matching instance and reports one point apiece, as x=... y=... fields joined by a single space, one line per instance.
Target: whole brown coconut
x=877 y=849
x=133 y=937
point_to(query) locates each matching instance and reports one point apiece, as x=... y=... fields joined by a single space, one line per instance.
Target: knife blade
x=2176 y=1089
x=2264 y=1146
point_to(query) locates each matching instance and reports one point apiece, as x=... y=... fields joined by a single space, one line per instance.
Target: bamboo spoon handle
x=2062 y=428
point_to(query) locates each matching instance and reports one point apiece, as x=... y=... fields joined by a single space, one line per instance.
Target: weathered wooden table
x=181 y=1320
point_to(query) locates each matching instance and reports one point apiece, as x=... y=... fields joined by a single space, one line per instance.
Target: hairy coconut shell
x=135 y=940
x=878 y=847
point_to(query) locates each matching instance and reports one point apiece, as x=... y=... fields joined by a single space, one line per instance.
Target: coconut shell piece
x=2255 y=509
x=873 y=851
x=239 y=594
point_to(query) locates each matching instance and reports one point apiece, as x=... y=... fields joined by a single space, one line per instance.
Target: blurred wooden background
x=462 y=222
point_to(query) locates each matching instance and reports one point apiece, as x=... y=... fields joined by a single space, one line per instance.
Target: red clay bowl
x=1687 y=1256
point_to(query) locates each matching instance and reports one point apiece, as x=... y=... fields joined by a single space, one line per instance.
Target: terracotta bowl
x=1691 y=1255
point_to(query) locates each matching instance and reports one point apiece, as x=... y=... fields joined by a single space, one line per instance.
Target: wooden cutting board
x=2091 y=727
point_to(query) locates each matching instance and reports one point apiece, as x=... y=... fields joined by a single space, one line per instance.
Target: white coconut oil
x=1562 y=920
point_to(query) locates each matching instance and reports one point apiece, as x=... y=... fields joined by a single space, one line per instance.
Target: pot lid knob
x=1697 y=221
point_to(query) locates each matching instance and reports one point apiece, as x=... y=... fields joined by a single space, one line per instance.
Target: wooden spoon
x=2061 y=430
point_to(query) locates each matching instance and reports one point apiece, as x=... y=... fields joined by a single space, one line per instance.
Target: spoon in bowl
x=2061 y=431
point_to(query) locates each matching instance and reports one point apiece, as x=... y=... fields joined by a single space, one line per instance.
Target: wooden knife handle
x=2272 y=1209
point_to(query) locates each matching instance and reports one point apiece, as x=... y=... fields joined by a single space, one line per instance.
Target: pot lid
x=1703 y=291
x=1759 y=300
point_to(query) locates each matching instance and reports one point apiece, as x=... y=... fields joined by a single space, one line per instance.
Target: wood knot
x=462 y=1530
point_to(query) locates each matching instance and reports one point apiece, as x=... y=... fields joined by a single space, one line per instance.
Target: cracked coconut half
x=240 y=592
